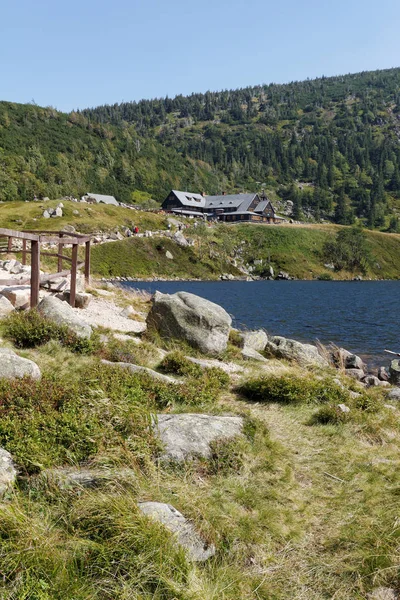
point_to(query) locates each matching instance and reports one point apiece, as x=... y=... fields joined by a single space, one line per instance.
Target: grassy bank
x=147 y=257
x=296 y=249
x=305 y=505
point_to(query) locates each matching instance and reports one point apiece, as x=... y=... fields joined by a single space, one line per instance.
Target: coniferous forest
x=329 y=145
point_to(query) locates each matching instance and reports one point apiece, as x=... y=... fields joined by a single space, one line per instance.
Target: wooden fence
x=32 y=242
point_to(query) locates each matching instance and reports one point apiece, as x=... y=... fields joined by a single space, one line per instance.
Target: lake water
x=361 y=316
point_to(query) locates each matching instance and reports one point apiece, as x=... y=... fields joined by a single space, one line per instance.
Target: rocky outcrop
x=13 y=366
x=19 y=296
x=5 y=307
x=201 y=323
x=251 y=354
x=184 y=532
x=394 y=394
x=304 y=354
x=63 y=314
x=142 y=371
x=8 y=473
x=394 y=372
x=256 y=340
x=189 y=435
x=356 y=374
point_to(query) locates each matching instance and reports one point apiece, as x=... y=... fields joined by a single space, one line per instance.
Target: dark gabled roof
x=230 y=201
x=190 y=199
x=263 y=205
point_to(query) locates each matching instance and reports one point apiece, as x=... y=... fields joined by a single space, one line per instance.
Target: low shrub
x=288 y=389
x=29 y=329
x=177 y=363
x=330 y=414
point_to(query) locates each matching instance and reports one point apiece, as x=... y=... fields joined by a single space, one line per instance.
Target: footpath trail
x=325 y=493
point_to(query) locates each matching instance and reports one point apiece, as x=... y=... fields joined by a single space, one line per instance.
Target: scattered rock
x=8 y=473
x=57 y=212
x=383 y=374
x=382 y=593
x=257 y=340
x=356 y=374
x=13 y=366
x=250 y=354
x=201 y=323
x=394 y=372
x=390 y=407
x=304 y=354
x=180 y=239
x=352 y=361
x=63 y=314
x=343 y=408
x=46 y=214
x=69 y=228
x=5 y=307
x=123 y=337
x=169 y=255
x=189 y=435
x=75 y=213
x=283 y=276
x=143 y=371
x=208 y=363
x=371 y=381
x=185 y=534
x=82 y=300
x=394 y=394
x=128 y=312
x=19 y=296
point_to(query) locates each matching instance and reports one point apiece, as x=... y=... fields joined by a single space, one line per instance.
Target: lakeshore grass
x=303 y=506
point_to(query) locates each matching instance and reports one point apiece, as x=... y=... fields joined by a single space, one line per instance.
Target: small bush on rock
x=292 y=390
x=30 y=329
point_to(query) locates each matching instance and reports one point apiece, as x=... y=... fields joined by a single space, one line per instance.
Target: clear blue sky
x=84 y=53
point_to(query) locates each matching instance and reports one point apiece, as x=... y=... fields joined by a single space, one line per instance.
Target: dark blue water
x=363 y=317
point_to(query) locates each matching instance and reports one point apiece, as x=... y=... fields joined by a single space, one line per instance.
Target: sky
x=84 y=53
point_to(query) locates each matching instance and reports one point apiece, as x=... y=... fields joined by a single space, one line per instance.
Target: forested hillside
x=47 y=153
x=330 y=146
x=340 y=134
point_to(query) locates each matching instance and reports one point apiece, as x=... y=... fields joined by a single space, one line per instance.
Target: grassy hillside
x=305 y=505
x=91 y=218
x=146 y=257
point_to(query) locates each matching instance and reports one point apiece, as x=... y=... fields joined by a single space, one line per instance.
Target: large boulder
x=63 y=314
x=256 y=340
x=394 y=372
x=201 y=323
x=19 y=296
x=5 y=307
x=8 y=472
x=13 y=366
x=304 y=354
x=184 y=532
x=189 y=435
x=180 y=239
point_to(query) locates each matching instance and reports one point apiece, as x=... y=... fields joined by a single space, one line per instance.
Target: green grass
x=305 y=505
x=146 y=257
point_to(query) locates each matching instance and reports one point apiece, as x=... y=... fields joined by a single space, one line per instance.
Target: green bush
x=330 y=414
x=177 y=363
x=29 y=329
x=288 y=389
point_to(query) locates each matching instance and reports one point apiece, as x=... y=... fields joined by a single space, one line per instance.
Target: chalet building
x=230 y=208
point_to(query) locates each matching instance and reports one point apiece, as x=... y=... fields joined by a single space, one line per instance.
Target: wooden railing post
x=87 y=263
x=9 y=245
x=35 y=273
x=24 y=252
x=74 y=269
x=60 y=251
